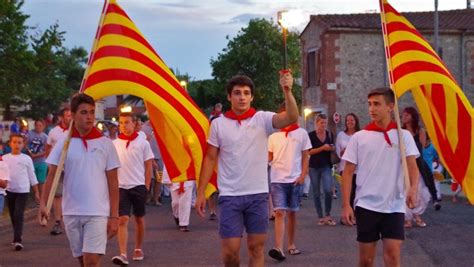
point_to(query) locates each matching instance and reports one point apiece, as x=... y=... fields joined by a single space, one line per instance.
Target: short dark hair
x=63 y=110
x=239 y=80
x=128 y=114
x=39 y=120
x=13 y=135
x=386 y=92
x=321 y=116
x=81 y=98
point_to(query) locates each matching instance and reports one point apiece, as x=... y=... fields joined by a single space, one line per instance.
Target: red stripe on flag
x=400 y=26
x=121 y=30
x=171 y=167
x=439 y=101
x=118 y=51
x=403 y=46
x=415 y=66
x=114 y=8
x=389 y=9
x=457 y=160
x=127 y=75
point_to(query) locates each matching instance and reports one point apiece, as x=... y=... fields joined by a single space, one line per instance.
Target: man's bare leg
x=256 y=245
x=367 y=254
x=231 y=251
x=391 y=252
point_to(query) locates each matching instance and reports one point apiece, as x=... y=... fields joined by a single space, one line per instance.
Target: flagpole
x=396 y=110
x=62 y=159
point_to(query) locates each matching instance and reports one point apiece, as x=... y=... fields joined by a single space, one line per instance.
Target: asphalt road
x=446 y=241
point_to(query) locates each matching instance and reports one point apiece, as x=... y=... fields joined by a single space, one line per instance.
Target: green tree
x=206 y=93
x=257 y=52
x=16 y=61
x=57 y=75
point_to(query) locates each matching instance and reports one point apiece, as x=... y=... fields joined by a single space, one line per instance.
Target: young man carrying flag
x=134 y=182
x=90 y=190
x=238 y=143
x=380 y=198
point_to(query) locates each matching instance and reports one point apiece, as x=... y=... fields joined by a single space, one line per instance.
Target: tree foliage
x=36 y=72
x=257 y=52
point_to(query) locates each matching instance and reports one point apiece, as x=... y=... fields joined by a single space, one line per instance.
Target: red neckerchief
x=373 y=127
x=248 y=114
x=93 y=134
x=290 y=128
x=129 y=138
x=181 y=188
x=216 y=114
x=62 y=127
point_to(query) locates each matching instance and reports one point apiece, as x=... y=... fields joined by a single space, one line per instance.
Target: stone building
x=343 y=58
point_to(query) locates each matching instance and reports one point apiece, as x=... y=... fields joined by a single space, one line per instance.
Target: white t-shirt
x=132 y=161
x=380 y=182
x=342 y=141
x=56 y=134
x=4 y=174
x=286 y=165
x=85 y=186
x=243 y=153
x=22 y=173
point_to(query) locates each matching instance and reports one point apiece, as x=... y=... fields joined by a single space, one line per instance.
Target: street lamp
x=282 y=18
x=184 y=84
x=126 y=109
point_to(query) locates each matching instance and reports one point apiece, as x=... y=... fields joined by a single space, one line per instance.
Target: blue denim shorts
x=239 y=212
x=286 y=196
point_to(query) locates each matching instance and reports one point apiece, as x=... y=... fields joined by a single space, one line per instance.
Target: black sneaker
x=56 y=229
x=276 y=254
x=18 y=246
x=213 y=217
x=305 y=196
x=437 y=206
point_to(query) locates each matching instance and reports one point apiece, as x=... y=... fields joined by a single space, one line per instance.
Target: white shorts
x=86 y=234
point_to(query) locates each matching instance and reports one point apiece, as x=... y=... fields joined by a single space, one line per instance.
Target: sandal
x=420 y=223
x=294 y=251
x=321 y=222
x=330 y=222
x=276 y=254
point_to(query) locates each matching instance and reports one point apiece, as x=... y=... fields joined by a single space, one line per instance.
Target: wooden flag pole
x=62 y=159
x=396 y=110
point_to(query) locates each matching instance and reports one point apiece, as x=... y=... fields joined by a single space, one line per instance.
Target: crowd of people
x=265 y=163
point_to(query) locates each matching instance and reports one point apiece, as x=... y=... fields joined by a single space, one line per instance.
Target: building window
x=313 y=68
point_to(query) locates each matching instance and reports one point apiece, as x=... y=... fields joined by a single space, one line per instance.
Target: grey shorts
x=86 y=234
x=239 y=212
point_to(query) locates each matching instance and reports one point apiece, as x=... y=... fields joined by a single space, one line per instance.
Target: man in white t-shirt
x=289 y=159
x=90 y=190
x=134 y=182
x=57 y=133
x=380 y=198
x=238 y=143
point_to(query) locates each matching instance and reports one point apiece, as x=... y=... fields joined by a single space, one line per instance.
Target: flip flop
x=330 y=222
x=294 y=251
x=276 y=254
x=321 y=222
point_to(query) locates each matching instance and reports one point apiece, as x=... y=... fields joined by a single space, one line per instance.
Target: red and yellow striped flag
x=447 y=114
x=123 y=62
